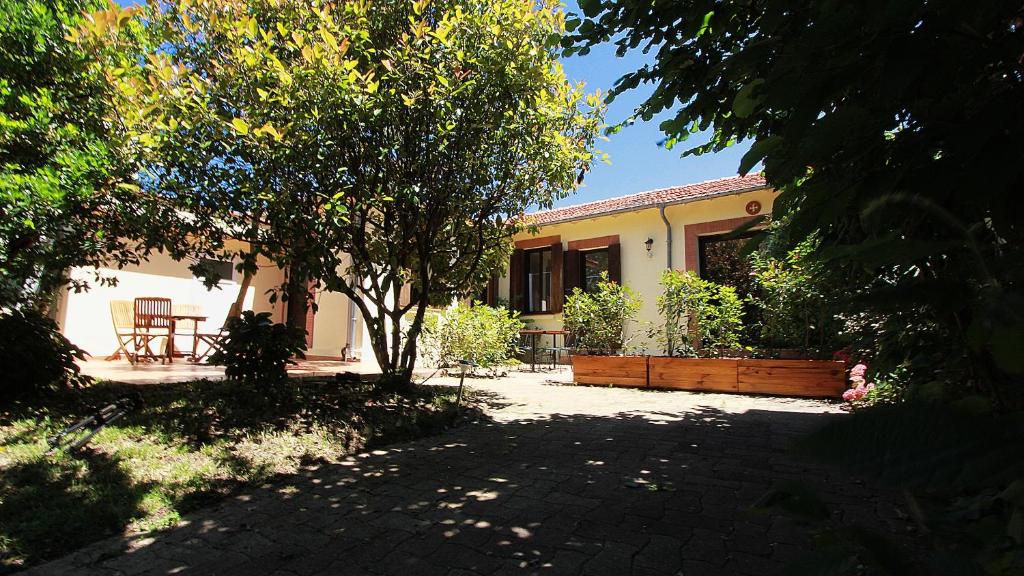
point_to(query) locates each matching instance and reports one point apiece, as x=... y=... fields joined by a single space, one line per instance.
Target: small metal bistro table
x=534 y=334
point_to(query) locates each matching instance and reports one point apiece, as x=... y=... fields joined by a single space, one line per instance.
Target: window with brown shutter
x=489 y=295
x=572 y=276
x=535 y=278
x=556 y=278
x=588 y=258
x=516 y=295
x=593 y=267
x=615 y=263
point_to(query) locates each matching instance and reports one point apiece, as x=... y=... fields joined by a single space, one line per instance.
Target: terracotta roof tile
x=650 y=199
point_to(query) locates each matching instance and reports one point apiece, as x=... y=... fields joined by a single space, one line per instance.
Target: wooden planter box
x=628 y=371
x=813 y=378
x=810 y=378
x=711 y=374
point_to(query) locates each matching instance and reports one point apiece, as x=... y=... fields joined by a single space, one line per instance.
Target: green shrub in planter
x=484 y=335
x=597 y=322
x=35 y=355
x=697 y=314
x=798 y=298
x=258 y=351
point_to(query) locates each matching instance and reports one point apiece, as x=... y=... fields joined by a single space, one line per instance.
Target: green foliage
x=597 y=322
x=697 y=313
x=66 y=192
x=893 y=131
x=257 y=351
x=483 y=335
x=891 y=387
x=36 y=357
x=390 y=142
x=797 y=299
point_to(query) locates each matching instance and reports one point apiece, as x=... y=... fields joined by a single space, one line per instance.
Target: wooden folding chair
x=123 y=317
x=213 y=340
x=152 y=320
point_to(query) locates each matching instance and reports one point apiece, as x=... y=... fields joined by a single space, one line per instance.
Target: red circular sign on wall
x=753 y=207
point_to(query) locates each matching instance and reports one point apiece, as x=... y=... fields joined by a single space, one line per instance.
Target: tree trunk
x=236 y=309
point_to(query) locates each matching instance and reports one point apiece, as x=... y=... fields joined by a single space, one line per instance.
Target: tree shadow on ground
x=86 y=498
x=634 y=493
x=202 y=411
x=199 y=441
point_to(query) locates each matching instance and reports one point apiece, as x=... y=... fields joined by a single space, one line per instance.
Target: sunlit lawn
x=187 y=446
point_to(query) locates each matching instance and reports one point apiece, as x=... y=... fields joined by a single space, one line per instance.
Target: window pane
x=722 y=261
x=595 y=263
x=538 y=281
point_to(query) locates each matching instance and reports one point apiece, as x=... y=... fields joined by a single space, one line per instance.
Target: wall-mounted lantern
x=650 y=245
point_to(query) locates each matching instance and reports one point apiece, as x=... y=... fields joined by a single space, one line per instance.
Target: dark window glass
x=595 y=263
x=538 y=280
x=722 y=261
x=224 y=269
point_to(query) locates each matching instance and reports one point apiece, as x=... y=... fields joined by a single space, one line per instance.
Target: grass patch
x=187 y=446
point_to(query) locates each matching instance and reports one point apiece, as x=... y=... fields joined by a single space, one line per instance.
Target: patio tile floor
x=557 y=480
x=181 y=370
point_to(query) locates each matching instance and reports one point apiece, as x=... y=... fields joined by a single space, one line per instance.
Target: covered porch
x=181 y=371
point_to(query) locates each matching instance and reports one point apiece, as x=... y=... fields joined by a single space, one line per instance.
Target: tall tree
x=67 y=196
x=895 y=129
x=367 y=146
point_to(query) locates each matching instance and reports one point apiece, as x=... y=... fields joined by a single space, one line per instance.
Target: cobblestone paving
x=560 y=480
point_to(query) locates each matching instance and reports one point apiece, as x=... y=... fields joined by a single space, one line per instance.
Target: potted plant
x=705 y=319
x=700 y=319
x=597 y=325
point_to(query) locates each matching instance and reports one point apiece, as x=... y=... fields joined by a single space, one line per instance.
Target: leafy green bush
x=482 y=334
x=35 y=355
x=797 y=298
x=258 y=351
x=597 y=322
x=697 y=313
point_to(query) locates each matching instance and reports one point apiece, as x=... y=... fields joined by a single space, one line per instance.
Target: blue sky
x=637 y=163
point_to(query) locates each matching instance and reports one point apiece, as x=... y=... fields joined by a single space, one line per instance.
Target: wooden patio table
x=533 y=334
x=175 y=318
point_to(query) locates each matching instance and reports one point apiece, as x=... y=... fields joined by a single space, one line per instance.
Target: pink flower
x=848 y=395
x=858 y=371
x=870 y=387
x=859 y=392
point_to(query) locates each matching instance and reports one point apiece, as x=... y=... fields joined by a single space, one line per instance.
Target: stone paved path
x=564 y=480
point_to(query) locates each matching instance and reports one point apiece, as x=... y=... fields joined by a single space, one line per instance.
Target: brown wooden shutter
x=516 y=297
x=556 y=278
x=491 y=297
x=573 y=274
x=615 y=263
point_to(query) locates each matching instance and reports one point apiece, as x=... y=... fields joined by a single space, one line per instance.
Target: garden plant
x=486 y=336
x=598 y=322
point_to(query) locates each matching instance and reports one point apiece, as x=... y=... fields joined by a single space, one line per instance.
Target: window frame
x=583 y=265
x=213 y=263
x=704 y=240
x=527 y=309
